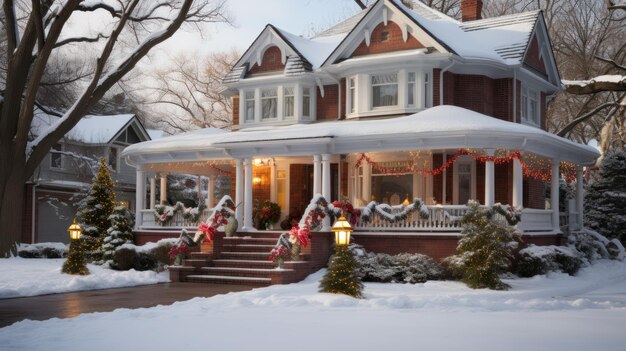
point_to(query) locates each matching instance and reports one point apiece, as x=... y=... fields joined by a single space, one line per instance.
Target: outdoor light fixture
x=342 y=230
x=256 y=180
x=75 y=230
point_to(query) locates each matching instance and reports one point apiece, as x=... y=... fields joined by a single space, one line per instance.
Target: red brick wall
x=271 y=62
x=437 y=247
x=300 y=188
x=503 y=99
x=327 y=106
x=480 y=182
x=344 y=178
x=504 y=183
x=471 y=10
x=394 y=41
x=343 y=101
x=532 y=57
x=235 y=101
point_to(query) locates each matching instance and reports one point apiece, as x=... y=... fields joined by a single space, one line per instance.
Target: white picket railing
x=177 y=220
x=441 y=218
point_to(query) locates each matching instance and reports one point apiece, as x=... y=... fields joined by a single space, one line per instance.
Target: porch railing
x=441 y=218
x=177 y=220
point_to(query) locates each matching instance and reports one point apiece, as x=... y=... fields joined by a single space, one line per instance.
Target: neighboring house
x=68 y=170
x=356 y=113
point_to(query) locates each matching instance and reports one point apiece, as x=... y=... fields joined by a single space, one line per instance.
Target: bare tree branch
x=38 y=23
x=80 y=40
x=596 y=85
x=612 y=62
x=568 y=128
x=10 y=25
x=610 y=5
x=361 y=4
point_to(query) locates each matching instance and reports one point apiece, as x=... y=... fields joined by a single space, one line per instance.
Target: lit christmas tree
x=94 y=212
x=120 y=233
x=342 y=276
x=75 y=262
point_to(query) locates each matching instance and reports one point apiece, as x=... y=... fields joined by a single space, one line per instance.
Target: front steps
x=244 y=260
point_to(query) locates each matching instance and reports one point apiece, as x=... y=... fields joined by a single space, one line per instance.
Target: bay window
x=306 y=102
x=411 y=89
x=384 y=90
x=249 y=106
x=288 y=102
x=530 y=106
x=269 y=103
x=352 y=96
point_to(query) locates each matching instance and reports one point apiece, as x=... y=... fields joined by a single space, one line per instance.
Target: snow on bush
x=536 y=260
x=402 y=268
x=150 y=256
x=42 y=250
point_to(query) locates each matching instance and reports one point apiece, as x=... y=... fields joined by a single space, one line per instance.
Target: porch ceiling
x=441 y=127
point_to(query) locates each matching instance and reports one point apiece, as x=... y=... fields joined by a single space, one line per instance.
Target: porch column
x=163 y=199
x=367 y=183
x=326 y=177
x=554 y=195
x=490 y=188
x=518 y=184
x=152 y=191
x=317 y=177
x=210 y=199
x=247 y=197
x=140 y=195
x=239 y=190
x=580 y=195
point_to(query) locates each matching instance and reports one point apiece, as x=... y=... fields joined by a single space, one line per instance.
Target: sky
x=299 y=17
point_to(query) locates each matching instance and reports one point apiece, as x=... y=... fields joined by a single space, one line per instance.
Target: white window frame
x=293 y=103
x=273 y=97
x=529 y=116
x=371 y=90
x=60 y=154
x=351 y=94
x=455 y=180
x=411 y=89
x=310 y=95
x=246 y=99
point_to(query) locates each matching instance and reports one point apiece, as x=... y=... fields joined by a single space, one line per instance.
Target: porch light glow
x=75 y=230
x=342 y=230
x=256 y=180
x=259 y=162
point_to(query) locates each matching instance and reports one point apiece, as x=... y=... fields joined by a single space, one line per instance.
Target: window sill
x=384 y=112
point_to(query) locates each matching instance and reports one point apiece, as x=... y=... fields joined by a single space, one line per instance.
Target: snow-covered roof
x=155 y=133
x=435 y=128
x=91 y=129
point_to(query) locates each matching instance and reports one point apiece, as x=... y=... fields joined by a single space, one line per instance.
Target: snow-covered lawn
x=555 y=312
x=34 y=276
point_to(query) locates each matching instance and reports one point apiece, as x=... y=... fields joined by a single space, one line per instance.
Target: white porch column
x=210 y=199
x=317 y=176
x=490 y=178
x=518 y=184
x=580 y=195
x=367 y=183
x=163 y=199
x=326 y=192
x=247 y=196
x=239 y=190
x=152 y=191
x=140 y=195
x=554 y=196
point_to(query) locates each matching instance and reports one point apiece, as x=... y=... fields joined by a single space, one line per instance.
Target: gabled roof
x=91 y=129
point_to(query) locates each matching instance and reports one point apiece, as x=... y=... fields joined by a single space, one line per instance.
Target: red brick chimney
x=471 y=9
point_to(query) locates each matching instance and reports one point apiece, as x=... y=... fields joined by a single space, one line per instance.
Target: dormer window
x=385 y=90
x=280 y=104
x=384 y=36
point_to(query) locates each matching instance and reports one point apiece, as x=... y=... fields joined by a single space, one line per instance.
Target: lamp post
x=342 y=276
x=75 y=262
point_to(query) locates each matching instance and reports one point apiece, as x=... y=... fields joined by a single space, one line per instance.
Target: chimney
x=471 y=9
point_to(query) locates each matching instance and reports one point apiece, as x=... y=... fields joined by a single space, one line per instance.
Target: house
x=391 y=104
x=68 y=169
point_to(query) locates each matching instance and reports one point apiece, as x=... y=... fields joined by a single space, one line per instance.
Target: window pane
x=288 y=108
x=385 y=78
x=56 y=159
x=385 y=95
x=427 y=102
x=269 y=101
x=250 y=95
x=411 y=89
x=306 y=102
x=250 y=110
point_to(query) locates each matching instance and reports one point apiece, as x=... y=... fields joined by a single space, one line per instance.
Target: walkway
x=72 y=304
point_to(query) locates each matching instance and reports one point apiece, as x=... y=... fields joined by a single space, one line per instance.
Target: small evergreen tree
x=75 y=262
x=94 y=211
x=120 y=233
x=605 y=200
x=342 y=276
x=485 y=250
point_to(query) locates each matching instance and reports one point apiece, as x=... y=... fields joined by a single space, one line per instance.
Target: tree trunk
x=11 y=209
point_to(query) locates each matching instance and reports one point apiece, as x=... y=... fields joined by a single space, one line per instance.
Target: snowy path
x=31 y=277
x=554 y=313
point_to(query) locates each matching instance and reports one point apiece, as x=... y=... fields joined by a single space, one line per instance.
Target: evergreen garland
x=163 y=213
x=75 y=262
x=120 y=233
x=605 y=199
x=94 y=211
x=385 y=211
x=342 y=276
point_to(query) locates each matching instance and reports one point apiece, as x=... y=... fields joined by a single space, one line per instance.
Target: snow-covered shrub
x=605 y=198
x=42 y=250
x=124 y=258
x=486 y=249
x=160 y=254
x=150 y=256
x=402 y=268
x=119 y=233
x=535 y=260
x=145 y=262
x=590 y=244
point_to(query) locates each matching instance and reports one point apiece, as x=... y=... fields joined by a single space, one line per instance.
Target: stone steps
x=218 y=279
